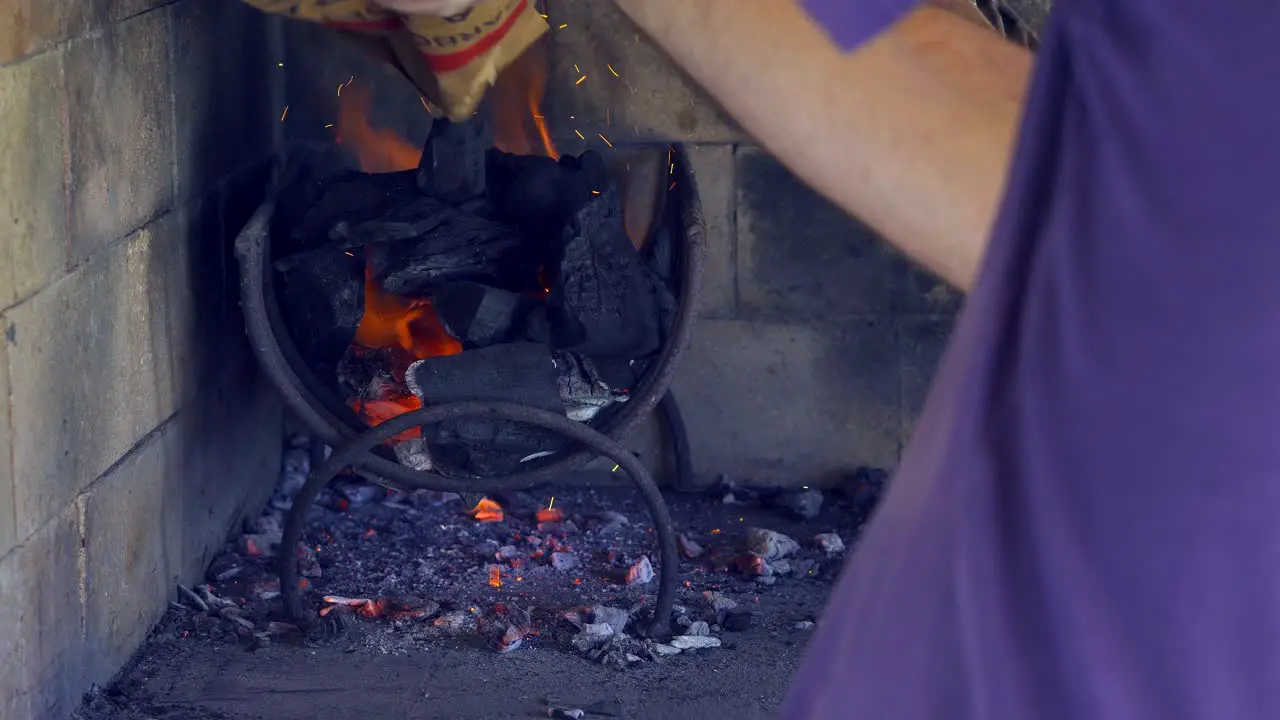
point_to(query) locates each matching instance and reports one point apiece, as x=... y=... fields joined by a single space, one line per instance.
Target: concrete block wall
x=134 y=428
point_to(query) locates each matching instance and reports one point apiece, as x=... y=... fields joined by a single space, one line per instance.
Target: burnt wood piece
x=536 y=194
x=479 y=315
x=321 y=296
x=452 y=167
x=422 y=245
x=601 y=302
x=521 y=373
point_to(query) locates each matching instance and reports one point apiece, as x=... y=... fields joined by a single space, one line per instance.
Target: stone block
x=120 y=108
x=648 y=99
x=922 y=339
x=8 y=520
x=790 y=404
x=40 y=622
x=799 y=256
x=87 y=360
x=30 y=26
x=126 y=525
x=32 y=198
x=225 y=110
x=713 y=167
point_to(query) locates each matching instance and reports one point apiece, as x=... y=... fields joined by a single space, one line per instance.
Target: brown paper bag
x=453 y=60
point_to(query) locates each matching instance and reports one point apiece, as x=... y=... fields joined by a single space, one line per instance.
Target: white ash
x=804 y=625
x=695 y=642
x=770 y=544
x=641 y=573
x=829 y=542
x=413 y=453
x=584 y=393
x=699 y=627
x=805 y=504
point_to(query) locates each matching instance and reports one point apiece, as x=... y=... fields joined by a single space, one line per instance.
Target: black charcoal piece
x=422 y=245
x=452 y=167
x=533 y=193
x=321 y=296
x=601 y=303
x=480 y=315
x=513 y=372
x=307 y=211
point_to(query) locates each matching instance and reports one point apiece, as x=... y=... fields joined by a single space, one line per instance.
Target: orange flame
x=377 y=150
x=486 y=511
x=495 y=576
x=518 y=123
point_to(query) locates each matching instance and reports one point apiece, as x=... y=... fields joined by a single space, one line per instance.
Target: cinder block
x=791 y=404
x=40 y=622
x=197 y=286
x=923 y=339
x=648 y=99
x=86 y=358
x=30 y=26
x=127 y=523
x=799 y=256
x=224 y=69
x=226 y=460
x=317 y=60
x=87 y=15
x=8 y=521
x=120 y=108
x=32 y=197
x=713 y=168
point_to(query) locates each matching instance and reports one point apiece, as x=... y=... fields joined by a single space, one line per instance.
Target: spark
x=576 y=68
x=544 y=15
x=351 y=80
x=279 y=64
x=581 y=80
x=340 y=86
x=615 y=72
x=605 y=139
x=615 y=468
x=715 y=531
x=284 y=114
x=552 y=502
x=595 y=192
x=326 y=127
x=348 y=253
x=672 y=186
x=579 y=134
x=563 y=26
x=424 y=104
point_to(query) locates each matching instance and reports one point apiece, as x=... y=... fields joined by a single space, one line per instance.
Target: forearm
x=911 y=132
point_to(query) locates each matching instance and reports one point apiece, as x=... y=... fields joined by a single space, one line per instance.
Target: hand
x=443 y=8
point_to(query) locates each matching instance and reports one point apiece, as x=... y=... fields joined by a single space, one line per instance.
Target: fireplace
x=146 y=476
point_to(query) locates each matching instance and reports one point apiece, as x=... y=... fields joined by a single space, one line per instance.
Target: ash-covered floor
x=442 y=588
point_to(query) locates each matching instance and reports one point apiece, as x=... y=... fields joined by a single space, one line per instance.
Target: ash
x=390 y=574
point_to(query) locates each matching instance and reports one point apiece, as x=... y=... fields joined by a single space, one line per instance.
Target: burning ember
x=550 y=514
x=486 y=511
x=385 y=608
x=495 y=576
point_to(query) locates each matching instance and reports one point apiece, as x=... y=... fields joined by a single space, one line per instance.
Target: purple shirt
x=1087 y=521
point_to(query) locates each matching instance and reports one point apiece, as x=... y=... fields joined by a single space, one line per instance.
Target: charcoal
x=480 y=315
x=310 y=209
x=423 y=245
x=513 y=372
x=452 y=168
x=321 y=296
x=536 y=194
x=602 y=303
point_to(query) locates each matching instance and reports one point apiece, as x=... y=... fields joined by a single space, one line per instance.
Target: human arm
x=912 y=132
